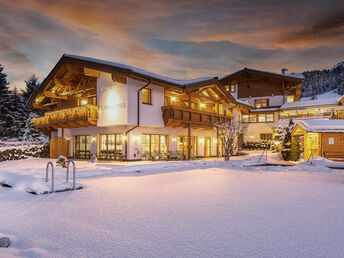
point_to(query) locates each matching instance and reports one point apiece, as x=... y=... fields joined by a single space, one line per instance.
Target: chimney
x=284 y=71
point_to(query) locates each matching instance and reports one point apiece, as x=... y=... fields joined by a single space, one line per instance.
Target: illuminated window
x=154 y=146
x=253 y=118
x=258 y=103
x=146 y=96
x=261 y=118
x=82 y=146
x=245 y=118
x=266 y=136
x=221 y=109
x=110 y=146
x=290 y=98
x=269 y=117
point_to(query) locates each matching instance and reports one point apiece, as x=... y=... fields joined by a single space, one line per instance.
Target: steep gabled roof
x=128 y=71
x=297 y=78
x=322 y=125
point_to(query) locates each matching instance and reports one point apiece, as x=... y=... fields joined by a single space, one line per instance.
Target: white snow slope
x=197 y=209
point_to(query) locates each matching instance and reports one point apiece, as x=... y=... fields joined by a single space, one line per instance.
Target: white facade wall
x=255 y=129
x=112 y=99
x=150 y=115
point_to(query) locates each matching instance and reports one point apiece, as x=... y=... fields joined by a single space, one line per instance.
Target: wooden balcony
x=68 y=118
x=183 y=117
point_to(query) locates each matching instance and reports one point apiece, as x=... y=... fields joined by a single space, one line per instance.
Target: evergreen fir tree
x=4 y=102
x=286 y=145
x=295 y=149
x=30 y=133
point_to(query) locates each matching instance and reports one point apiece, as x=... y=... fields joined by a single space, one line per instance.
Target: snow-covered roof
x=140 y=71
x=326 y=99
x=265 y=109
x=284 y=122
x=243 y=102
x=322 y=125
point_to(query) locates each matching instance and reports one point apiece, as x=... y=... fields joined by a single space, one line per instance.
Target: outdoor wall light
x=201 y=140
x=202 y=105
x=125 y=138
x=84 y=102
x=173 y=99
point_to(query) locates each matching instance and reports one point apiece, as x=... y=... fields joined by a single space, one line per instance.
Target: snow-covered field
x=176 y=209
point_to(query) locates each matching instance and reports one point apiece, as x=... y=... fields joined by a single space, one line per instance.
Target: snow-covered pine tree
x=286 y=145
x=30 y=133
x=4 y=102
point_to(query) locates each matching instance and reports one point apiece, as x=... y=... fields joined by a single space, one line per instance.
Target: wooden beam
x=91 y=72
x=50 y=94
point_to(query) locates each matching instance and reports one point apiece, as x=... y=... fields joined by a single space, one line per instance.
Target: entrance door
x=207 y=146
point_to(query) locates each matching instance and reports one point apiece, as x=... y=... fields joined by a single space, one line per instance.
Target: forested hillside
x=318 y=82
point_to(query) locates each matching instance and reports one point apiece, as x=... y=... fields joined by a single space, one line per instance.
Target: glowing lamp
x=201 y=140
x=202 y=105
x=125 y=138
x=174 y=139
x=215 y=141
x=83 y=102
x=173 y=99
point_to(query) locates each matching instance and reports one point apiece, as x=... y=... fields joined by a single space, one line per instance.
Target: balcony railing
x=68 y=118
x=178 y=116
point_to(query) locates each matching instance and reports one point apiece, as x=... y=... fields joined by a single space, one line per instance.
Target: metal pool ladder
x=266 y=155
x=310 y=158
x=67 y=173
x=52 y=175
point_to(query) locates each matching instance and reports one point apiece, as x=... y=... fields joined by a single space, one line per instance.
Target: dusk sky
x=178 y=39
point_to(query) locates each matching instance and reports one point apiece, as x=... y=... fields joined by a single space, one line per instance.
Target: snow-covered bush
x=19 y=152
x=257 y=145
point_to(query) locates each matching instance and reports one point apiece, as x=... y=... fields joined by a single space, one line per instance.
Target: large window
x=182 y=146
x=259 y=117
x=82 y=146
x=266 y=136
x=111 y=146
x=154 y=146
x=146 y=96
x=258 y=103
x=253 y=118
x=290 y=98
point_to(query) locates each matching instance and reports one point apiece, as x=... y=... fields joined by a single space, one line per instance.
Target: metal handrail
x=311 y=157
x=266 y=155
x=52 y=175
x=67 y=172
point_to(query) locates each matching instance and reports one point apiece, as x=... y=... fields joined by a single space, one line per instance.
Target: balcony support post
x=189 y=141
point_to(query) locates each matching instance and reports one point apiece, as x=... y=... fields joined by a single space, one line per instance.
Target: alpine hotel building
x=119 y=112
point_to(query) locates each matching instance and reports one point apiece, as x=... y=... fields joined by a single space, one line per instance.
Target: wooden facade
x=329 y=145
x=183 y=117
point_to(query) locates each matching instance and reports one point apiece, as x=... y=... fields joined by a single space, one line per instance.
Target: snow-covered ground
x=176 y=209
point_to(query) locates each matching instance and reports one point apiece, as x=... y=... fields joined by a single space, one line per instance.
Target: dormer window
x=290 y=98
x=258 y=103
